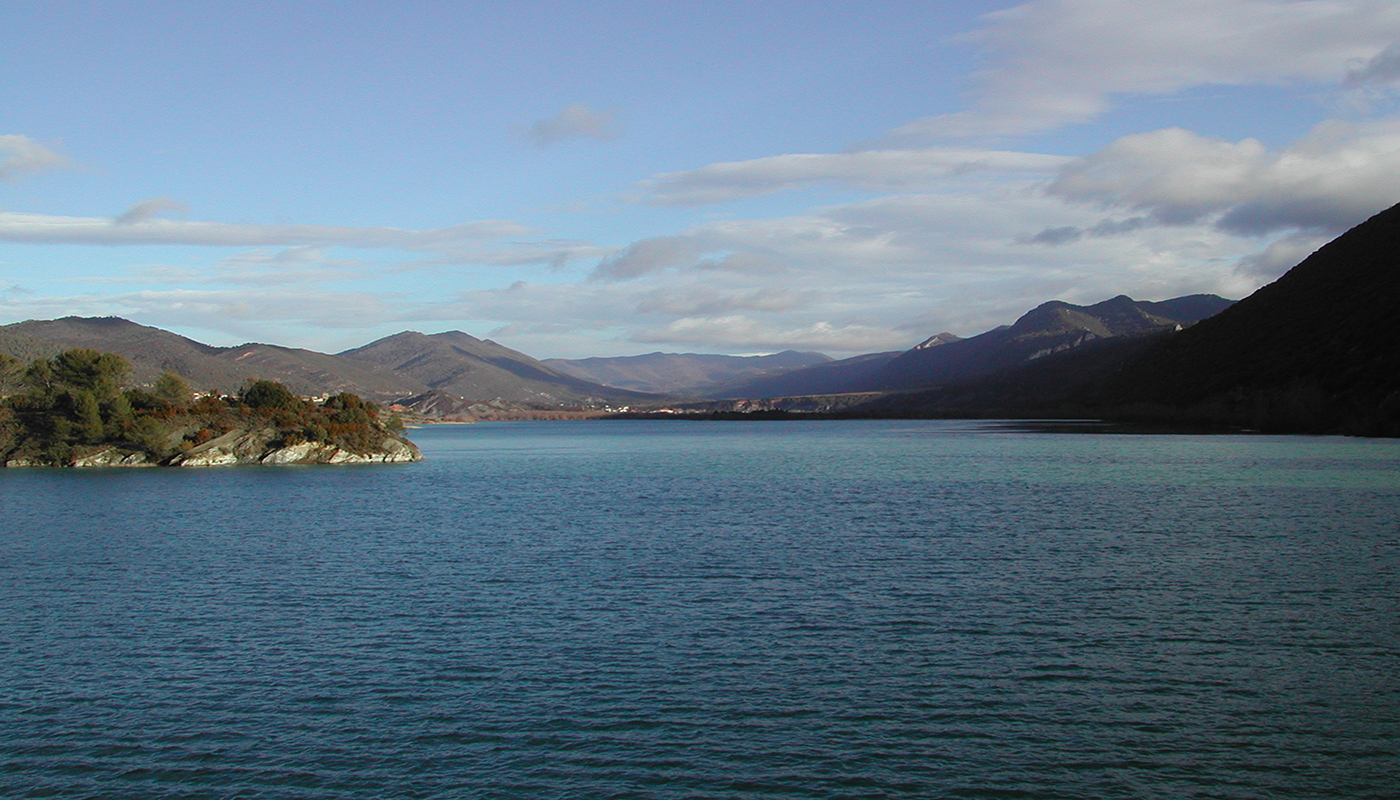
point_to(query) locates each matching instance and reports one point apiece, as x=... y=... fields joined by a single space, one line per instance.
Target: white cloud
x=879 y=274
x=306 y=265
x=709 y=302
x=1382 y=69
x=963 y=238
x=874 y=170
x=738 y=332
x=555 y=255
x=875 y=275
x=649 y=255
x=239 y=313
x=902 y=243
x=46 y=229
x=146 y=209
x=1330 y=180
x=1054 y=62
x=20 y=155
x=1281 y=255
x=1105 y=227
x=576 y=121
x=258 y=267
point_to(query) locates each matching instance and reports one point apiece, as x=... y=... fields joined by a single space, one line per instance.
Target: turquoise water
x=865 y=609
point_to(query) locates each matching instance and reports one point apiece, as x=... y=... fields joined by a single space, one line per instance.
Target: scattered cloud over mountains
x=951 y=221
x=1166 y=211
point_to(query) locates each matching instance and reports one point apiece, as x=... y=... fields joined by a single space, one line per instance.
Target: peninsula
x=73 y=410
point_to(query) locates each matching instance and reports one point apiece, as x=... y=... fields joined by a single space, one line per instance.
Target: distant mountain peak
x=936 y=340
x=1052 y=327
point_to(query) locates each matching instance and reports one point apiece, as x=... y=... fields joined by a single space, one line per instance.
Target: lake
x=681 y=609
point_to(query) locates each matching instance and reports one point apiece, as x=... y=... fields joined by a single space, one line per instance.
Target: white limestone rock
x=112 y=457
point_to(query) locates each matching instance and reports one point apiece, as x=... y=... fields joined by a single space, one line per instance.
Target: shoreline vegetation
x=74 y=410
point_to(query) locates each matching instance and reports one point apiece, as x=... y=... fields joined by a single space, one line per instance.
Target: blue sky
x=612 y=178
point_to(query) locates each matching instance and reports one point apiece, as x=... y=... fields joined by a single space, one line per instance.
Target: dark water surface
x=713 y=610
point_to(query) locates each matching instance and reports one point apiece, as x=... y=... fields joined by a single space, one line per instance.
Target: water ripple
x=863 y=610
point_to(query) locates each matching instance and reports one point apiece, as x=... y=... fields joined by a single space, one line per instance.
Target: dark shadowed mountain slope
x=681 y=373
x=1054 y=386
x=480 y=370
x=1050 y=328
x=834 y=377
x=1189 y=309
x=1317 y=350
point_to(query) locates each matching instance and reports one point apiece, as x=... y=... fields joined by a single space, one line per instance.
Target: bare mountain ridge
x=152 y=351
x=1316 y=351
x=414 y=365
x=1049 y=328
x=480 y=370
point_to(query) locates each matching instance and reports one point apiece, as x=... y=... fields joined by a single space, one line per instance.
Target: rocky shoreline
x=238 y=447
x=73 y=411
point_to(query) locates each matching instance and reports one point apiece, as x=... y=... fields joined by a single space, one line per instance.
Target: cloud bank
x=871 y=170
x=146 y=209
x=1332 y=179
x=138 y=226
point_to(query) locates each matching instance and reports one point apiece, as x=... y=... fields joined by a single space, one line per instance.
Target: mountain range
x=404 y=368
x=1317 y=350
x=1049 y=328
x=454 y=374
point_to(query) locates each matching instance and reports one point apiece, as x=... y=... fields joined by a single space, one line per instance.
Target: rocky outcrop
x=105 y=457
x=264 y=447
x=112 y=457
x=392 y=452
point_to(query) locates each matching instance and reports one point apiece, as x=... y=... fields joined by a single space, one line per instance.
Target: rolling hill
x=452 y=367
x=480 y=370
x=152 y=351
